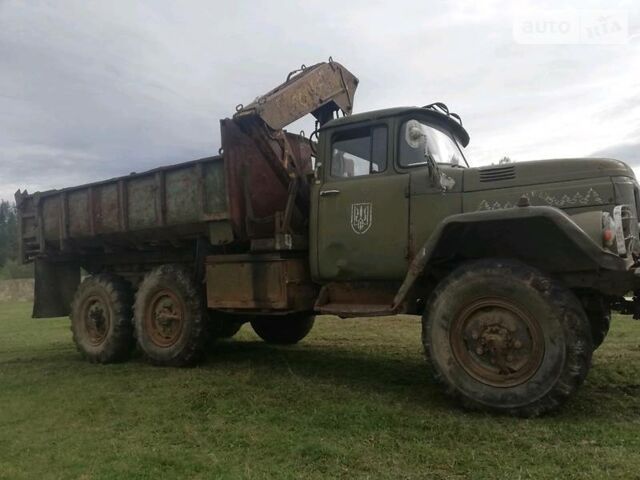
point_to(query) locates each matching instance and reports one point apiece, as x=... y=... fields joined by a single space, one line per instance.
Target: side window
x=359 y=152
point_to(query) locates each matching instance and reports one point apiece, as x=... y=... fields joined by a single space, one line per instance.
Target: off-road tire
x=283 y=330
x=108 y=338
x=170 y=321
x=223 y=325
x=556 y=319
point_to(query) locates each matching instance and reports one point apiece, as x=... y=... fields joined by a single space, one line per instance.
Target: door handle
x=325 y=193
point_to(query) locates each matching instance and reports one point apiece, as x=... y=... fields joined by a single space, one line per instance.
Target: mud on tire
x=285 y=330
x=101 y=319
x=170 y=321
x=503 y=337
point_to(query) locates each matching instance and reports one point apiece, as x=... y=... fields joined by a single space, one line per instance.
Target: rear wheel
x=169 y=317
x=283 y=330
x=502 y=336
x=101 y=319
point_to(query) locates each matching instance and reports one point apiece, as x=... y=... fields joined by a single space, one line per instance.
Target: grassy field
x=353 y=400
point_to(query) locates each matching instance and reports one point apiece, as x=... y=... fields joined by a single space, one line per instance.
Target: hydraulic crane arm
x=267 y=169
x=321 y=90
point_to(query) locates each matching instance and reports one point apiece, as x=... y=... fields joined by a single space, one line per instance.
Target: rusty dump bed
x=164 y=204
x=225 y=201
x=257 y=191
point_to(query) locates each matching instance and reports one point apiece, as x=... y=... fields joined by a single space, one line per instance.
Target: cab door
x=363 y=208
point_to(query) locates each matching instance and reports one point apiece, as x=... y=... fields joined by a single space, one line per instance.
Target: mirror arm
x=434 y=172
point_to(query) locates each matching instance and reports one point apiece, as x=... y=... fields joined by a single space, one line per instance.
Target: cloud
x=627 y=152
x=90 y=90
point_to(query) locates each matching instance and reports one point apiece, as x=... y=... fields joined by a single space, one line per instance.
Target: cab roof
x=438 y=118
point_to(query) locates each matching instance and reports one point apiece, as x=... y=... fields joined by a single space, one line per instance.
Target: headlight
x=620 y=230
x=608 y=230
x=615 y=231
x=621 y=214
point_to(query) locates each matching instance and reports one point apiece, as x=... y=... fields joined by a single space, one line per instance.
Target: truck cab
x=388 y=182
x=397 y=170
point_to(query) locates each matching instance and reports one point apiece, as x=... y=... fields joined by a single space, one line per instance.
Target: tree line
x=8 y=233
x=10 y=265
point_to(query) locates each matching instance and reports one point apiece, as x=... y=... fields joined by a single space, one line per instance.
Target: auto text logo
x=572 y=27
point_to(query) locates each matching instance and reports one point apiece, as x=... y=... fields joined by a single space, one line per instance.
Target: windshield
x=420 y=140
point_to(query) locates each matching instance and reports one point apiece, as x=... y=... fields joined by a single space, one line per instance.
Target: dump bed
x=226 y=199
x=162 y=205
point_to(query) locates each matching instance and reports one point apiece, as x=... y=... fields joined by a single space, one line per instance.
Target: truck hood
x=538 y=172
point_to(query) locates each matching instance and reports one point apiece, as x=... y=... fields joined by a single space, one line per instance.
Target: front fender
x=541 y=236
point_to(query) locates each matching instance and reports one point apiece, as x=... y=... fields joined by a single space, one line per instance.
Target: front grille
x=493 y=174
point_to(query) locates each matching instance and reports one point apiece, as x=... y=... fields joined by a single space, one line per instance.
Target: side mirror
x=438 y=179
x=432 y=166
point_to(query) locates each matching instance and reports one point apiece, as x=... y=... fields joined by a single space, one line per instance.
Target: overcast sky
x=95 y=89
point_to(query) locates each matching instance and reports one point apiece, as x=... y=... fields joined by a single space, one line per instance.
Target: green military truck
x=515 y=268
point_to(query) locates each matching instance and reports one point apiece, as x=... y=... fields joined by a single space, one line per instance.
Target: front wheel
x=283 y=330
x=503 y=337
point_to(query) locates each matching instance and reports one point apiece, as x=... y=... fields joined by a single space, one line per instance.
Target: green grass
x=353 y=400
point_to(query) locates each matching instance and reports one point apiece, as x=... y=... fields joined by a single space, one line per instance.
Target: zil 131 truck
x=515 y=268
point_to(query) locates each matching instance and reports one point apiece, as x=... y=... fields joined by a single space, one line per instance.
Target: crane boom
x=321 y=90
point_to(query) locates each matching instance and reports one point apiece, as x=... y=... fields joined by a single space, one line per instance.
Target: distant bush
x=13 y=269
x=8 y=233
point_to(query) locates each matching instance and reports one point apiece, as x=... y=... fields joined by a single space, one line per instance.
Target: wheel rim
x=497 y=343
x=165 y=318
x=96 y=317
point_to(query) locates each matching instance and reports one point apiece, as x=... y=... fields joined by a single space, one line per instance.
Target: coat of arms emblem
x=361 y=217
